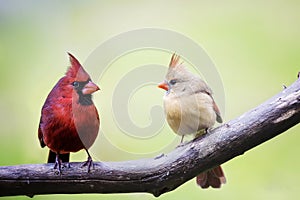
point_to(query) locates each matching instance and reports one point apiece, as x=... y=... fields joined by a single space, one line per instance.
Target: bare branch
x=167 y=172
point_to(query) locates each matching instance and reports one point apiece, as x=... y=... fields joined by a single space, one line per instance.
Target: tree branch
x=167 y=172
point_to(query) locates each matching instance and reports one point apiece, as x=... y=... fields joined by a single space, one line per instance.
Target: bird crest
x=174 y=60
x=76 y=70
x=75 y=65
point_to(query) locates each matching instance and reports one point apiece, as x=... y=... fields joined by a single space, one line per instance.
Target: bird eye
x=75 y=84
x=173 y=82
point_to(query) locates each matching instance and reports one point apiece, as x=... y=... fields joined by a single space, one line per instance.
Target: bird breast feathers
x=189 y=114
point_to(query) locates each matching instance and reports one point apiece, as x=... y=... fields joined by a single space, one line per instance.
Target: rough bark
x=166 y=172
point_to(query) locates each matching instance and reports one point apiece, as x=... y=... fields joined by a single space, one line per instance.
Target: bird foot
x=89 y=163
x=181 y=144
x=159 y=156
x=57 y=164
x=66 y=165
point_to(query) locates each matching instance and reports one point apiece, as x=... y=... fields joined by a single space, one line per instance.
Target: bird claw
x=89 y=163
x=57 y=164
x=181 y=144
x=159 y=156
x=66 y=165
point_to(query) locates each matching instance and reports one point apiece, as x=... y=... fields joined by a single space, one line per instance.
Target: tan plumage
x=190 y=109
x=188 y=114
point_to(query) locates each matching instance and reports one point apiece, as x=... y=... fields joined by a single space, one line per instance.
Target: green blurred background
x=255 y=47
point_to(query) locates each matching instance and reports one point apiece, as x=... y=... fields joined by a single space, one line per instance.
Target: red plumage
x=69 y=119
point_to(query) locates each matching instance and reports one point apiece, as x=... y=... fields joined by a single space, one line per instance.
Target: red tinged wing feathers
x=67 y=128
x=218 y=113
x=40 y=136
x=213 y=177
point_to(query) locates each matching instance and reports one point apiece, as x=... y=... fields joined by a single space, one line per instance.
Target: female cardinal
x=191 y=109
x=69 y=119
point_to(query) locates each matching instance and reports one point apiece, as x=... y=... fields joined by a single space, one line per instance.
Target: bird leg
x=181 y=142
x=181 y=139
x=89 y=163
x=207 y=130
x=57 y=163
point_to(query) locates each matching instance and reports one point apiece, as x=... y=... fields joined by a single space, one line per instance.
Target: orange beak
x=163 y=85
x=90 y=88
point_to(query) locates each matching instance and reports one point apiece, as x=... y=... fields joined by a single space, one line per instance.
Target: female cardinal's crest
x=174 y=61
x=76 y=70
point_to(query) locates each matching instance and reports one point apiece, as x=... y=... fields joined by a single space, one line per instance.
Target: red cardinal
x=191 y=109
x=69 y=119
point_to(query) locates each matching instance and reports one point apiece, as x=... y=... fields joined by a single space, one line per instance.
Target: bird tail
x=213 y=177
x=63 y=157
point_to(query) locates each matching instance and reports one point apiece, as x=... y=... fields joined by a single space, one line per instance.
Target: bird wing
x=217 y=111
x=40 y=136
x=206 y=89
